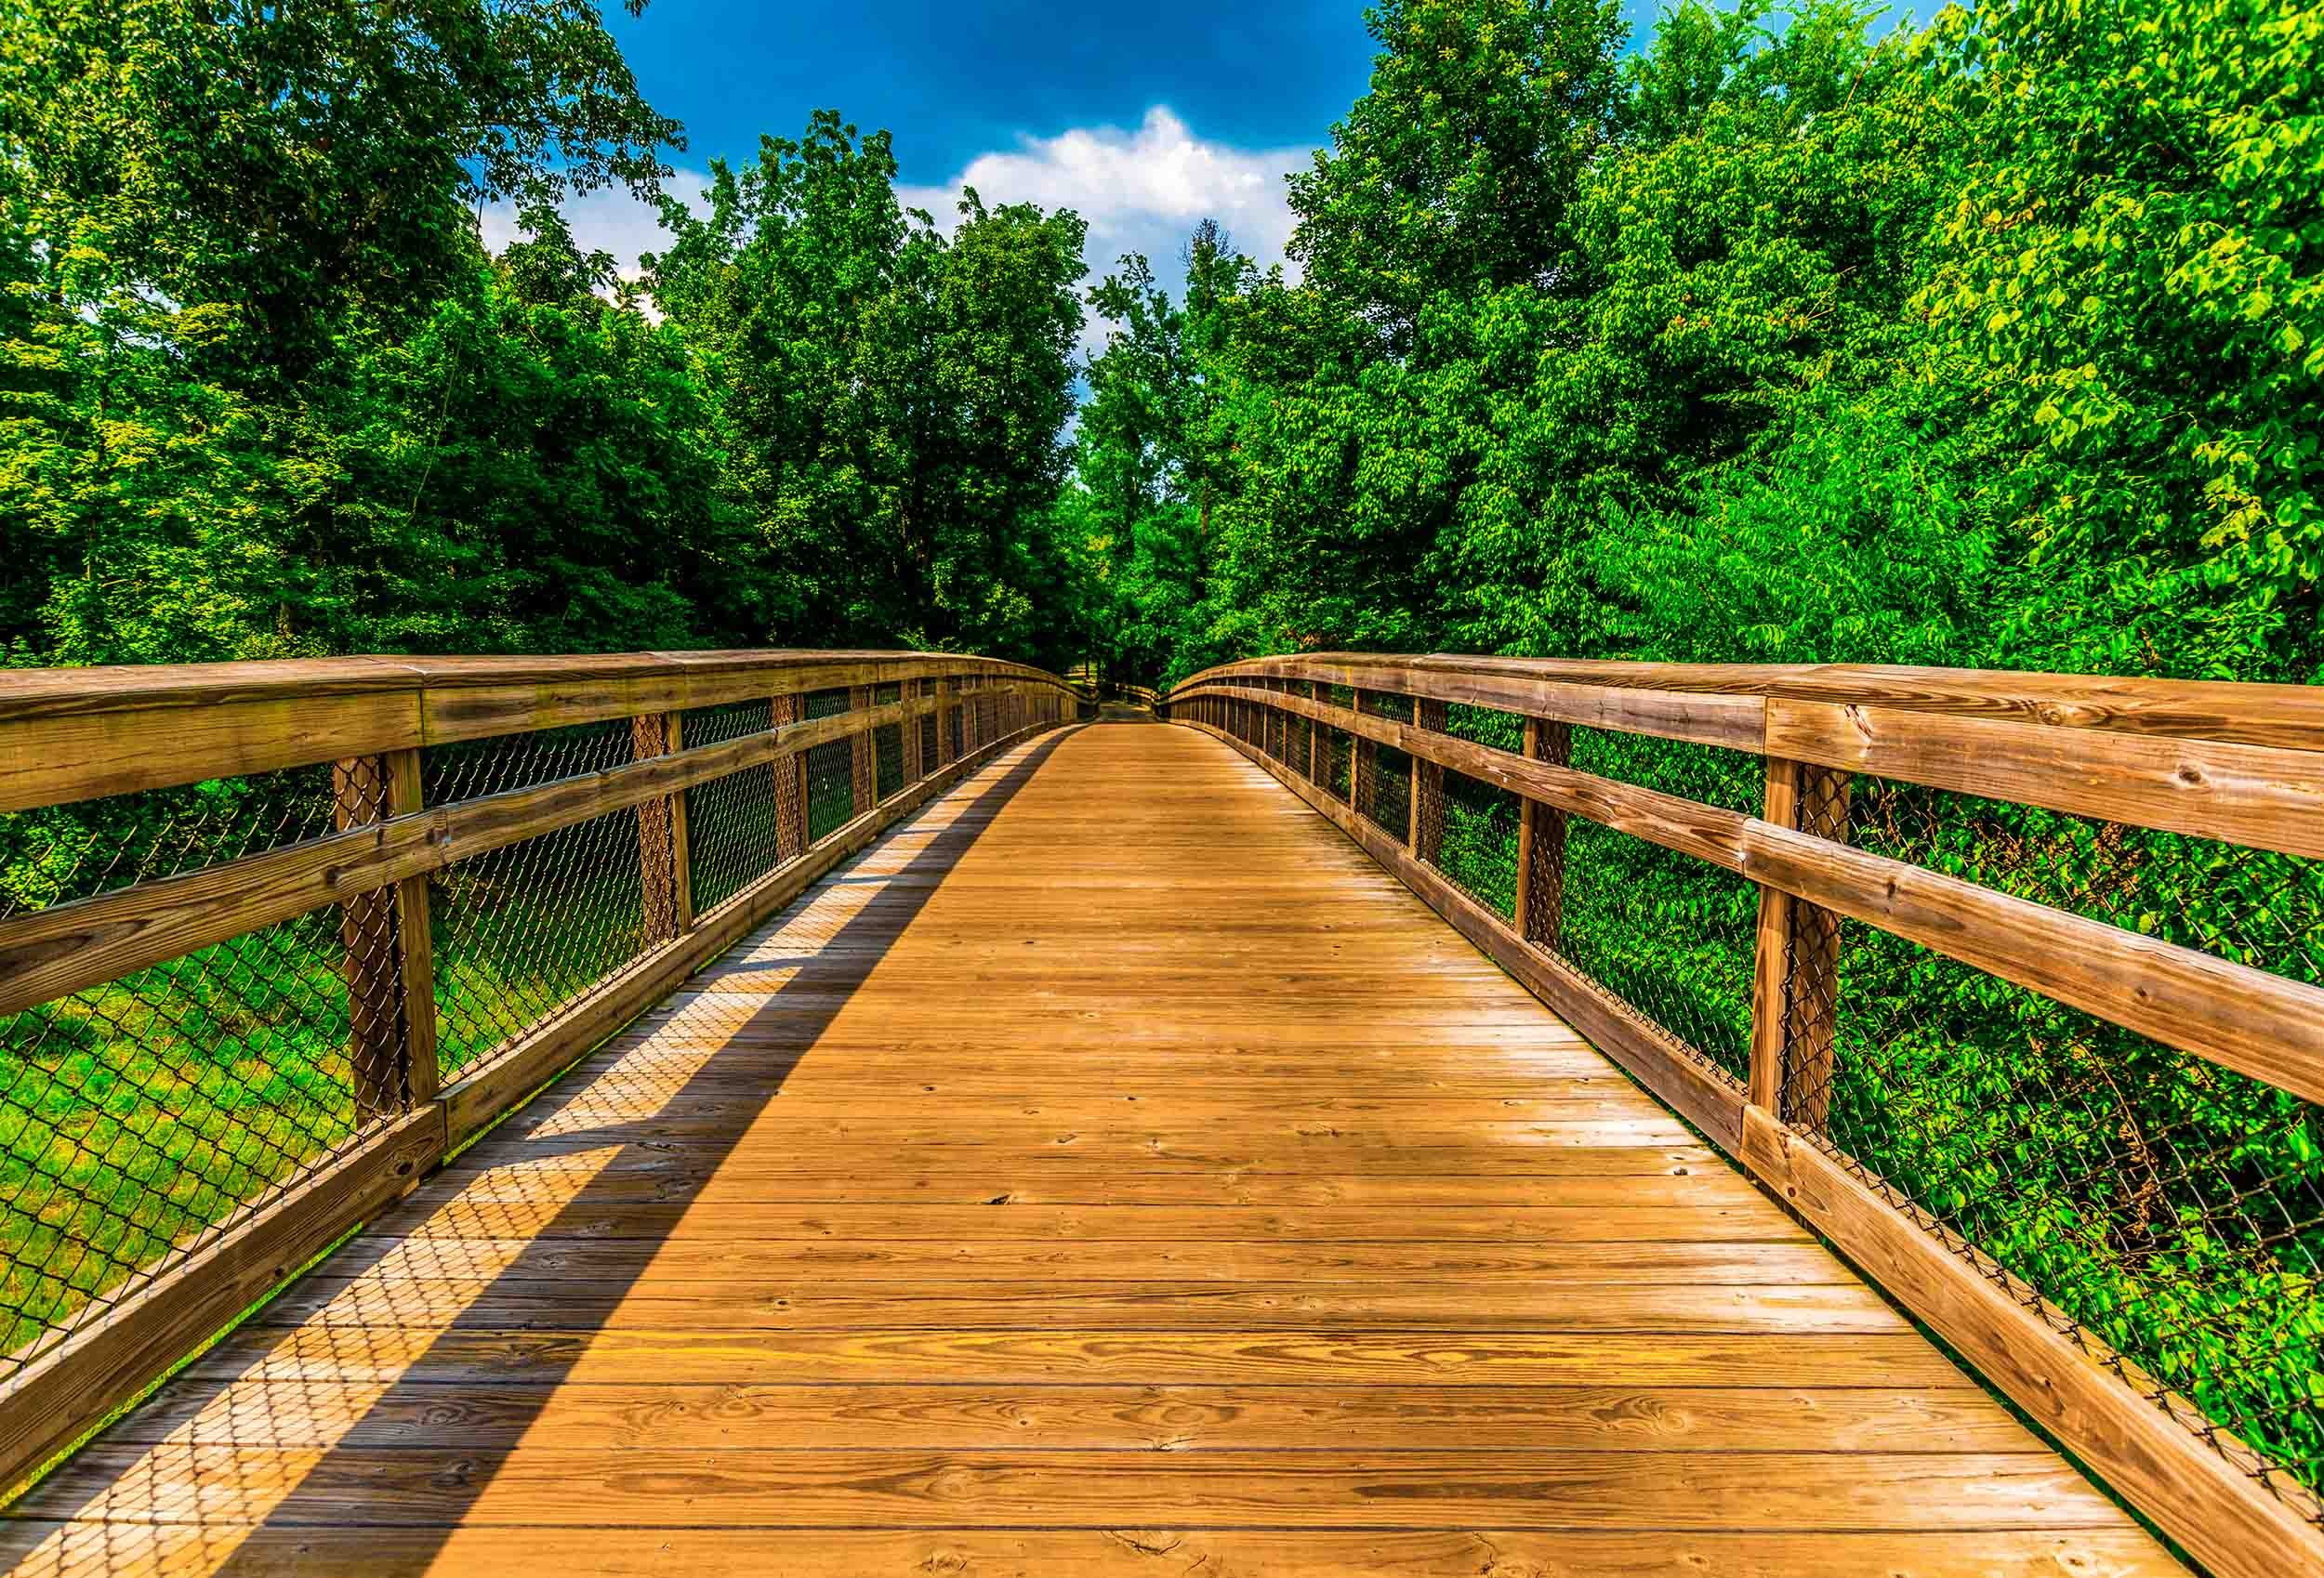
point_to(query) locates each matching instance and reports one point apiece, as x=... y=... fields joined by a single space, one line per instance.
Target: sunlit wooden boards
x=1111 y=1171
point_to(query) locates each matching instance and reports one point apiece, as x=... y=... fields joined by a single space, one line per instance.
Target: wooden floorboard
x=1112 y=1170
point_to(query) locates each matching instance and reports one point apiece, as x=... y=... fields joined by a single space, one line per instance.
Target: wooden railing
x=275 y=938
x=2007 y=984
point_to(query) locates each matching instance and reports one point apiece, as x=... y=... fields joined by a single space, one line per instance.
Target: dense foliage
x=1992 y=343
x=263 y=393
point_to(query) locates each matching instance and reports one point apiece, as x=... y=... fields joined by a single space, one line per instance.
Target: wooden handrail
x=81 y=734
x=75 y=734
x=2240 y=764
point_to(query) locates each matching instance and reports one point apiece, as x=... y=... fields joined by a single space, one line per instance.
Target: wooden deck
x=1111 y=1171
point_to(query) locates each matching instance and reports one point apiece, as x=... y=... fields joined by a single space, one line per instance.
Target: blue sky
x=1145 y=119
x=953 y=81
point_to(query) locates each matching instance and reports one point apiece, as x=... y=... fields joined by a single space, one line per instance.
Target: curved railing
x=275 y=936
x=2010 y=985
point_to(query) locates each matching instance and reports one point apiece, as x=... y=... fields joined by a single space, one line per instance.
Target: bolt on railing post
x=1540 y=899
x=1795 y=976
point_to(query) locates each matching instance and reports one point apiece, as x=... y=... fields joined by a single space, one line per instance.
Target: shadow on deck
x=1110 y=1168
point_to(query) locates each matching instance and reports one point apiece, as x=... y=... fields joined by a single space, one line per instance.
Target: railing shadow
x=231 y=1439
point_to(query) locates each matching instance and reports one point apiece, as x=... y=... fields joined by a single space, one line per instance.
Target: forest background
x=1781 y=337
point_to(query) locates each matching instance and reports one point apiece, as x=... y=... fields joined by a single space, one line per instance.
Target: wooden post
x=1358 y=749
x=946 y=716
x=862 y=788
x=1541 y=844
x=661 y=837
x=371 y=946
x=1795 y=976
x=790 y=784
x=416 y=955
x=1426 y=840
x=911 y=732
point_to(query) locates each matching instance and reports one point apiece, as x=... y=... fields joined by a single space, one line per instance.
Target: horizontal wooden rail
x=2242 y=765
x=2259 y=1024
x=2210 y=760
x=2287 y=715
x=72 y=734
x=78 y=734
x=49 y=953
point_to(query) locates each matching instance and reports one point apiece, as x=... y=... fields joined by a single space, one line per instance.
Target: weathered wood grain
x=74 y=733
x=1303 y=1218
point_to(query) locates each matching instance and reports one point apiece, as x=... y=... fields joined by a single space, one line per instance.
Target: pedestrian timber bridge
x=871 y=1112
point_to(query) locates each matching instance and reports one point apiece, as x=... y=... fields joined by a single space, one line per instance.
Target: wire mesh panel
x=1384 y=786
x=830 y=771
x=1340 y=748
x=138 y=1116
x=1670 y=935
x=519 y=932
x=2170 y=1208
x=1465 y=829
x=887 y=747
x=732 y=822
x=926 y=727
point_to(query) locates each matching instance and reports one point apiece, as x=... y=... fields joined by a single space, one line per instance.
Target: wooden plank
x=71 y=733
x=426 y=1487
x=860 y=752
x=1734 y=721
x=737 y=1305
x=84 y=1550
x=2233 y=1521
x=2289 y=715
x=63 y=1394
x=652 y=736
x=1425 y=837
x=1210 y=1355
x=2263 y=796
x=1078 y=1416
x=645 y=1264
x=1540 y=898
x=369 y=942
x=1795 y=981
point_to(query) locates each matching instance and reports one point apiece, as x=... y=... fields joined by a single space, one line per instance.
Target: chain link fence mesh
x=830 y=771
x=140 y=1117
x=522 y=931
x=2165 y=1211
x=2129 y=1193
x=888 y=747
x=734 y=823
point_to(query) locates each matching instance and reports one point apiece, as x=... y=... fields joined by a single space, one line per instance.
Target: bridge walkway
x=1112 y=1170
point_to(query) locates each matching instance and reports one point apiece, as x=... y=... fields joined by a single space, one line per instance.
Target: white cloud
x=608 y=219
x=1141 y=190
